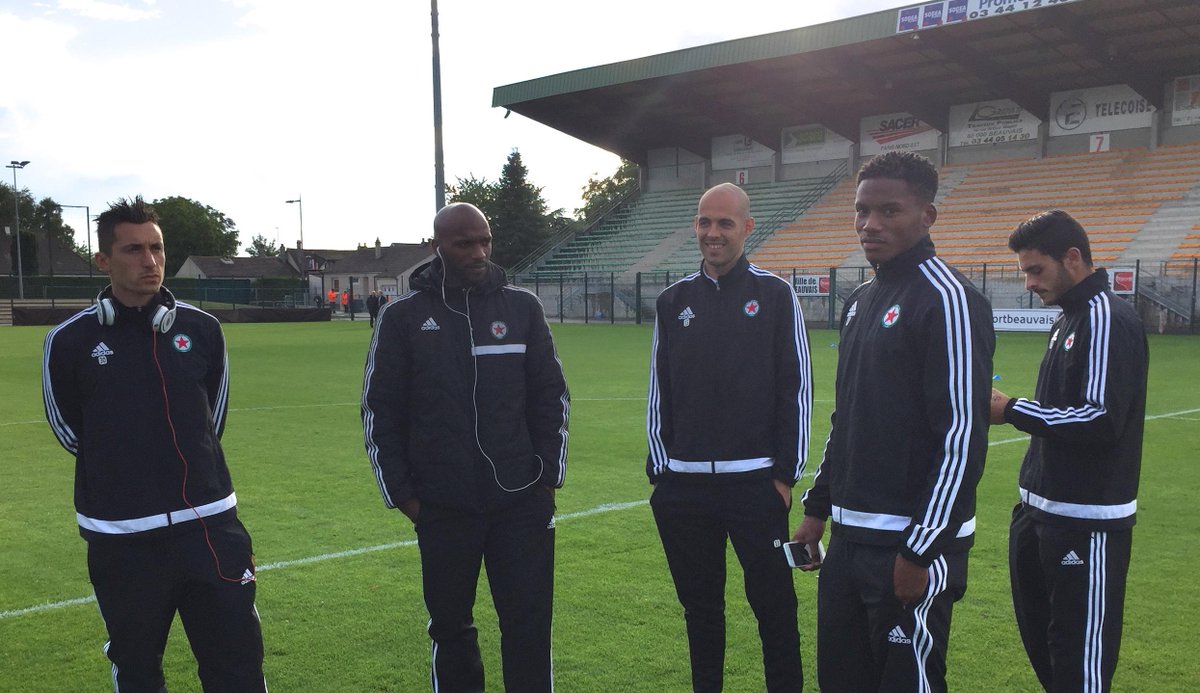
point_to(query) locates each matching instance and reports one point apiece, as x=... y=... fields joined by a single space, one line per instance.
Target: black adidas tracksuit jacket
x=1086 y=423
x=104 y=401
x=459 y=381
x=719 y=347
x=1071 y=535
x=909 y=434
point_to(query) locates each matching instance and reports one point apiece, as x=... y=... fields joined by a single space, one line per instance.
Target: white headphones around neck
x=164 y=309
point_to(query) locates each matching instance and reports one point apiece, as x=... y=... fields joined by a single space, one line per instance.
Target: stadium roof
x=839 y=72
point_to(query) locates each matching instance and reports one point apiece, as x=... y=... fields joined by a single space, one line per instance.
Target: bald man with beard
x=465 y=414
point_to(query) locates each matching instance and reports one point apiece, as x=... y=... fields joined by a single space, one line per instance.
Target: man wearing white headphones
x=136 y=388
x=465 y=418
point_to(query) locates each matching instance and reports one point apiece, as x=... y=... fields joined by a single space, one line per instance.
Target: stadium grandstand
x=1092 y=106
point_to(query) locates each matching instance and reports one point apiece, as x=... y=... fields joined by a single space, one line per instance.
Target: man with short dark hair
x=728 y=430
x=136 y=388
x=465 y=417
x=1071 y=534
x=906 y=448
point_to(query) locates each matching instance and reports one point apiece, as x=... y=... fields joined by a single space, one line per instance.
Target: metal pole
x=1192 y=317
x=88 y=225
x=612 y=297
x=637 y=292
x=439 y=165
x=17 y=206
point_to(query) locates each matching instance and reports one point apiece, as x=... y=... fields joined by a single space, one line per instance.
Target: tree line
x=519 y=215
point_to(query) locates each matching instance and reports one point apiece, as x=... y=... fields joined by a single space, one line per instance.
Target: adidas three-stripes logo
x=429 y=325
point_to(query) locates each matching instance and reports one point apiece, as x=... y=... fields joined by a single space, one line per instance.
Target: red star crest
x=182 y=343
x=751 y=308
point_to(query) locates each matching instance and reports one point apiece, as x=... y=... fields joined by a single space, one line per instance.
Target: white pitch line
x=53 y=606
x=607 y=507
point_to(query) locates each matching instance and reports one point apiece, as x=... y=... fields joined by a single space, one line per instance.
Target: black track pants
x=866 y=640
x=140 y=583
x=1068 y=588
x=516 y=545
x=694 y=518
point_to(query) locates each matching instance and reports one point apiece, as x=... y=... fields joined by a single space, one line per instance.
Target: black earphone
x=164 y=311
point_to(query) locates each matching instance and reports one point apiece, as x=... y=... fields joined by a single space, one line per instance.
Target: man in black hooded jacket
x=465 y=414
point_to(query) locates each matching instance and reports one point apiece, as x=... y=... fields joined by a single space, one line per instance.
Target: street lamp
x=17 y=204
x=87 y=220
x=299 y=203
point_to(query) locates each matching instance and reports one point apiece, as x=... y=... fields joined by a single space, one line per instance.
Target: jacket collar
x=429 y=277
x=907 y=260
x=730 y=278
x=1079 y=295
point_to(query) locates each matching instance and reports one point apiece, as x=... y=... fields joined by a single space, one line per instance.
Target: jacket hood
x=431 y=275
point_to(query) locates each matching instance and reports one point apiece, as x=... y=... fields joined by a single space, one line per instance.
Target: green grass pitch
x=339 y=590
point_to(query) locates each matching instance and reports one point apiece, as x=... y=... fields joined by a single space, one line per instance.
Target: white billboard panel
x=1101 y=109
x=895 y=132
x=1024 y=319
x=801 y=143
x=1185 y=107
x=739 y=151
x=991 y=122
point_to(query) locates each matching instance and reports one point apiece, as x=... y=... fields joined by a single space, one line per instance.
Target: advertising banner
x=802 y=143
x=895 y=132
x=991 y=122
x=739 y=151
x=1124 y=280
x=812 y=285
x=1101 y=109
x=933 y=14
x=1185 y=108
x=1024 y=319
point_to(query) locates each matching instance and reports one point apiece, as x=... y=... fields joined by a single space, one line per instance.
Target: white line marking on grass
x=54 y=606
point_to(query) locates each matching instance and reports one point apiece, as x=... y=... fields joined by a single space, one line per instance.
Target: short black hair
x=910 y=167
x=1051 y=233
x=123 y=211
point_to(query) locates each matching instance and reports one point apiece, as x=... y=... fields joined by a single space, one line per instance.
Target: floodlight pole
x=87 y=221
x=439 y=164
x=17 y=207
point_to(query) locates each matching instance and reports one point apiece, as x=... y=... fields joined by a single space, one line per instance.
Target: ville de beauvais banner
x=933 y=14
x=1102 y=109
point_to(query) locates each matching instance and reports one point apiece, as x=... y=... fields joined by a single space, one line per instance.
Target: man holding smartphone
x=906 y=447
x=728 y=428
x=1071 y=534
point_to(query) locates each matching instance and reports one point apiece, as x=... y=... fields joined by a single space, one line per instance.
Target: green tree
x=515 y=208
x=478 y=191
x=193 y=228
x=29 y=228
x=261 y=247
x=599 y=194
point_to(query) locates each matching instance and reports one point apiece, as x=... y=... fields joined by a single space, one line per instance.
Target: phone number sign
x=933 y=14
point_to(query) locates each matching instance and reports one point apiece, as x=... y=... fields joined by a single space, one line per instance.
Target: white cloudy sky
x=242 y=104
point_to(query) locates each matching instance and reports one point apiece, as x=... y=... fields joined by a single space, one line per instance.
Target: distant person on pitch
x=728 y=430
x=1071 y=534
x=464 y=413
x=136 y=389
